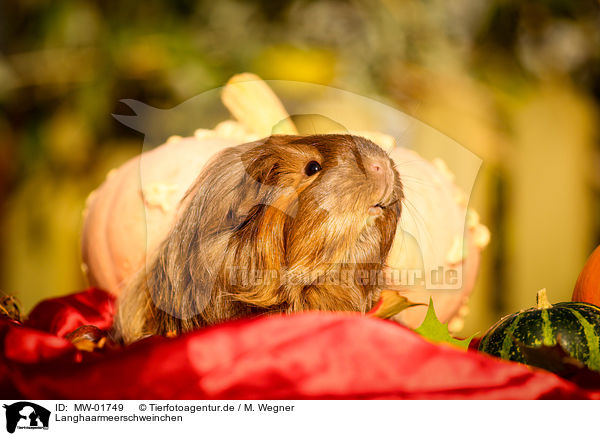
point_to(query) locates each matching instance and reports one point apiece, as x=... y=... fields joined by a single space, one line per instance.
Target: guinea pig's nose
x=380 y=169
x=376 y=167
x=380 y=172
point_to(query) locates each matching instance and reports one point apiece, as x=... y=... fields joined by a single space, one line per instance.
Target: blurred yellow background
x=517 y=83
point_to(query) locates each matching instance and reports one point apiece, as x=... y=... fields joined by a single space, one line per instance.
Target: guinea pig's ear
x=261 y=162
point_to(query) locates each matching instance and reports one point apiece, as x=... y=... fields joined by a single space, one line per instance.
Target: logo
x=26 y=415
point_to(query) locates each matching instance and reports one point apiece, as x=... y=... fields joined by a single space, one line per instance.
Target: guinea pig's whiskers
x=416 y=180
x=418 y=219
x=406 y=162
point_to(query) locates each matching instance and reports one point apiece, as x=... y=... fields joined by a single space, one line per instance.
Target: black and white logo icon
x=26 y=415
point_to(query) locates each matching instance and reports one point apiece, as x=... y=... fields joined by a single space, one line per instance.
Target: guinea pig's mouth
x=385 y=205
x=376 y=210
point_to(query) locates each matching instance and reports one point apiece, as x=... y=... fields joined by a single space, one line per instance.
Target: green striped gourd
x=576 y=324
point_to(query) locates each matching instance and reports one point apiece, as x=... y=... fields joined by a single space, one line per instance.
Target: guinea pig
x=280 y=225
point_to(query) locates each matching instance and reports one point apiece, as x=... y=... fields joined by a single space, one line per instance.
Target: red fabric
x=303 y=356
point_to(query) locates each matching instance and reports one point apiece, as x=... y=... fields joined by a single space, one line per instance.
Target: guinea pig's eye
x=312 y=168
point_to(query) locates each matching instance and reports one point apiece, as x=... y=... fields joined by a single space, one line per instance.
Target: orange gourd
x=587 y=287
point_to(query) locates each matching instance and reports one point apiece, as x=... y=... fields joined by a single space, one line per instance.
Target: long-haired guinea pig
x=280 y=225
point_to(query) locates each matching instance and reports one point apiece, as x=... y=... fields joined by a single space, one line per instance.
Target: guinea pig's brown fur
x=261 y=231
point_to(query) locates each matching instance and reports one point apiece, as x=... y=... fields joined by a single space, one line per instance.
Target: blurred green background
x=516 y=82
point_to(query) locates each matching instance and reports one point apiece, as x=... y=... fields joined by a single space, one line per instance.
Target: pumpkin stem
x=542 y=300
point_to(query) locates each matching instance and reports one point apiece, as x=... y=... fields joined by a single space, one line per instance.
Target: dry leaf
x=391 y=303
